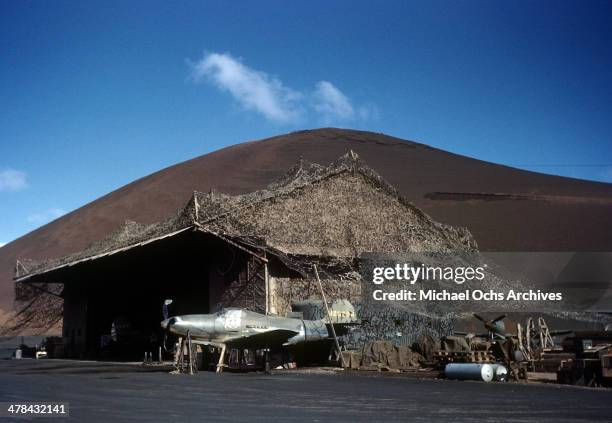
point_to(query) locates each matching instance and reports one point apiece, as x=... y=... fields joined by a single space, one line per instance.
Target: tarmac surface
x=119 y=392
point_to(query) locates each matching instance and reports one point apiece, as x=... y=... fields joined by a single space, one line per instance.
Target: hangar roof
x=340 y=210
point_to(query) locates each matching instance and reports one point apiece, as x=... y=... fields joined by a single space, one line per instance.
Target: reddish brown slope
x=563 y=214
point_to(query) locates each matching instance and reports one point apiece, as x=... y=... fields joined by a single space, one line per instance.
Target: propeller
x=497 y=319
x=495 y=326
x=165 y=308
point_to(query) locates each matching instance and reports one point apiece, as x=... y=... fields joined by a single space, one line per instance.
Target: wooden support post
x=267 y=283
x=331 y=324
x=189 y=353
x=178 y=352
x=221 y=359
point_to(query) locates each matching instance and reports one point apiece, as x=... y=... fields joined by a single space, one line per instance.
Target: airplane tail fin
x=343 y=316
x=342 y=312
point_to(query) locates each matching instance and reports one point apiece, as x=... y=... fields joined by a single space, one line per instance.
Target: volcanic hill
x=506 y=209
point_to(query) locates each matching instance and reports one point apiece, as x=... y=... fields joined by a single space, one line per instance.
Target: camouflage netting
x=376 y=355
x=311 y=210
x=39 y=312
x=339 y=211
x=326 y=216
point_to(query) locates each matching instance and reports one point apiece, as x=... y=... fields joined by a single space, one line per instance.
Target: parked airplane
x=237 y=328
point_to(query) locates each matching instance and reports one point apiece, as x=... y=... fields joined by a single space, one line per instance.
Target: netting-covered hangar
x=254 y=251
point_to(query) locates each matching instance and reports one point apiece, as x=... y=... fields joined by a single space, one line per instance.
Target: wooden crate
x=464 y=357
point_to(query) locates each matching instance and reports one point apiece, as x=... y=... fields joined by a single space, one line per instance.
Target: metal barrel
x=469 y=371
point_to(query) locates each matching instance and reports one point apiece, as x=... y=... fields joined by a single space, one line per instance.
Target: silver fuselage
x=239 y=326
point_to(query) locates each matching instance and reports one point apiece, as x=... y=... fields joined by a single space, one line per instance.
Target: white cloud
x=257 y=91
x=46 y=215
x=331 y=103
x=252 y=89
x=2 y=244
x=12 y=180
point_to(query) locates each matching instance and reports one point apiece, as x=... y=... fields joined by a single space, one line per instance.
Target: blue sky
x=96 y=94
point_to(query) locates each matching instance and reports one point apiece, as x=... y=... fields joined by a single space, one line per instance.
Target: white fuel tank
x=469 y=371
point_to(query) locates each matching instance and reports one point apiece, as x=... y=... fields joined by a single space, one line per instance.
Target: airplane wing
x=263 y=339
